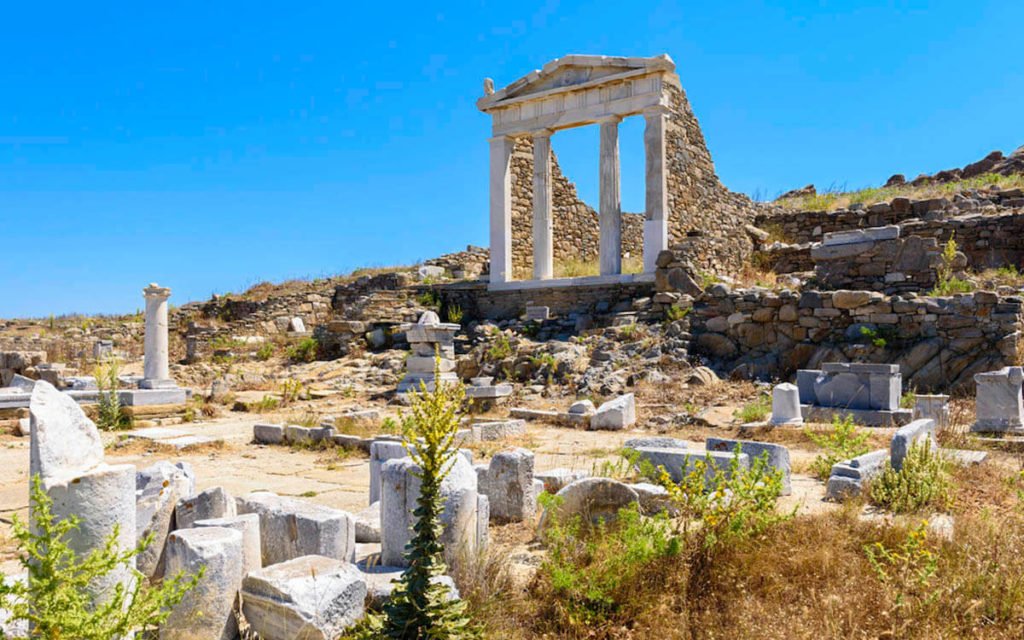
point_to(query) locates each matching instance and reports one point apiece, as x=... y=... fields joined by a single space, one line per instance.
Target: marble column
x=543 y=231
x=610 y=251
x=156 y=372
x=501 y=208
x=656 y=216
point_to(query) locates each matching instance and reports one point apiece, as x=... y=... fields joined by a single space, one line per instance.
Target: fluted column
x=610 y=250
x=543 y=229
x=501 y=208
x=656 y=215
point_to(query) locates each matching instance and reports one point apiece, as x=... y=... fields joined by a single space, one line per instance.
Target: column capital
x=656 y=110
x=156 y=291
x=541 y=133
x=609 y=120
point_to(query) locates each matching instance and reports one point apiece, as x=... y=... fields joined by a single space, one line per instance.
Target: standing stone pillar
x=610 y=251
x=656 y=216
x=156 y=372
x=501 y=208
x=543 y=231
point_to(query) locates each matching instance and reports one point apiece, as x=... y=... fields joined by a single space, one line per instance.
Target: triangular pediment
x=574 y=71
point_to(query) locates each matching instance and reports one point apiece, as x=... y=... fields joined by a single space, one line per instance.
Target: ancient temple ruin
x=532 y=204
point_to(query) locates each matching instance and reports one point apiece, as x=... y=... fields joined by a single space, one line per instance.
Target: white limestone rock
x=65 y=442
x=509 y=486
x=248 y=524
x=308 y=598
x=208 y=611
x=616 y=414
x=291 y=528
x=215 y=502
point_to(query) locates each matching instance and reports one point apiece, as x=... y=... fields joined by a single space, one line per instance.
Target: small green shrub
x=291 y=390
x=57 y=602
x=500 y=349
x=756 y=410
x=454 y=313
x=676 y=312
x=429 y=299
x=909 y=399
x=923 y=481
x=950 y=286
x=265 y=352
x=592 y=570
x=304 y=350
x=263 y=405
x=841 y=442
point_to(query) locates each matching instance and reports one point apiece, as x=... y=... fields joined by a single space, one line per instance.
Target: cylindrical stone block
x=249 y=526
x=208 y=611
x=102 y=499
x=156 y=370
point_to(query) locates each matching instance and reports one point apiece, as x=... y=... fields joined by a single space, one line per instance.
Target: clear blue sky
x=211 y=145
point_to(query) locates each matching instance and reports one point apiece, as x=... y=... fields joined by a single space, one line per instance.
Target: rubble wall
x=478 y=303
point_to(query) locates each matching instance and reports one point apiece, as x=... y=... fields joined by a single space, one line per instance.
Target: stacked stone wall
x=591 y=300
x=896 y=265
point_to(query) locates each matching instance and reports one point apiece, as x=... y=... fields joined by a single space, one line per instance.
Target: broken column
x=67 y=454
x=998 y=405
x=508 y=485
x=433 y=345
x=208 y=611
x=215 y=502
x=158 y=489
x=400 y=489
x=156 y=371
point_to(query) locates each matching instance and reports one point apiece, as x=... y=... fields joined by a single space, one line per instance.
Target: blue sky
x=209 y=146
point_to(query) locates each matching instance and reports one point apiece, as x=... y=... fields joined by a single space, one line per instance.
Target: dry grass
x=811 y=578
x=836 y=198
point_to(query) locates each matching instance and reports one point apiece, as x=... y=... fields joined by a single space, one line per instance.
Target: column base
x=150 y=383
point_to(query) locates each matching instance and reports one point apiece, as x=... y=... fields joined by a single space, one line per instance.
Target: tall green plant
x=841 y=442
x=110 y=416
x=57 y=601
x=420 y=607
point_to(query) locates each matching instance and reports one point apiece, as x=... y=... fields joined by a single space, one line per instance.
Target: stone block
x=215 y=502
x=786 y=405
x=380 y=452
x=400 y=489
x=268 y=433
x=291 y=528
x=65 y=443
x=932 y=407
x=998 y=403
x=655 y=442
x=615 y=415
x=296 y=434
x=308 y=598
x=680 y=462
x=778 y=455
x=537 y=313
x=158 y=489
x=509 y=486
x=208 y=611
x=498 y=430
x=368 y=524
x=248 y=524
x=555 y=479
x=805 y=381
x=917 y=432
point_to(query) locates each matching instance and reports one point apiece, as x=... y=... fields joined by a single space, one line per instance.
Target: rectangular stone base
x=866 y=417
x=142 y=397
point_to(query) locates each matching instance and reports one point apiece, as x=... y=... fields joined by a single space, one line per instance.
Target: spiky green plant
x=420 y=607
x=110 y=416
x=57 y=600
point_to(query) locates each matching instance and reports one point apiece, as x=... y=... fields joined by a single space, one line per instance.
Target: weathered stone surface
x=65 y=443
x=158 y=489
x=786 y=405
x=848 y=477
x=368 y=524
x=215 y=502
x=583 y=407
x=268 y=433
x=248 y=524
x=592 y=499
x=308 y=598
x=400 y=489
x=498 y=430
x=653 y=498
x=777 y=454
x=555 y=479
x=509 y=486
x=932 y=407
x=380 y=452
x=655 y=442
x=998 y=405
x=291 y=528
x=680 y=462
x=206 y=612
x=918 y=432
x=616 y=414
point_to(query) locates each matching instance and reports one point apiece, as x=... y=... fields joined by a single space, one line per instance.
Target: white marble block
x=786 y=405
x=208 y=611
x=292 y=528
